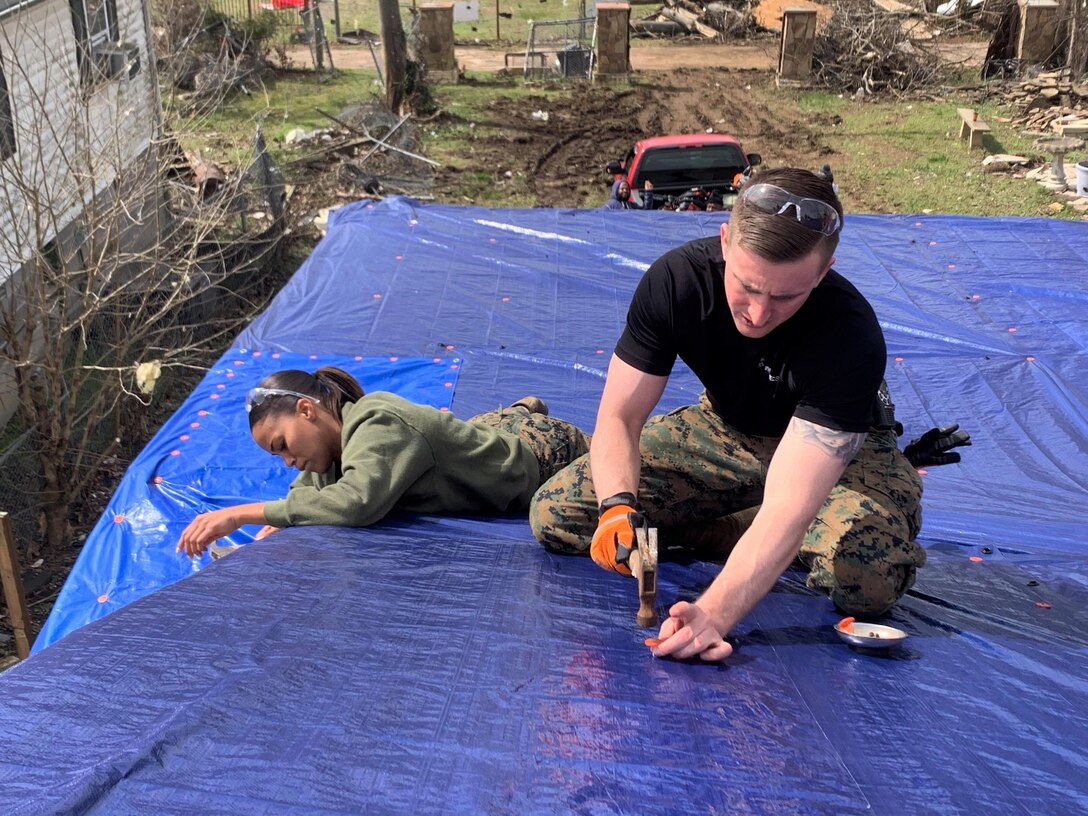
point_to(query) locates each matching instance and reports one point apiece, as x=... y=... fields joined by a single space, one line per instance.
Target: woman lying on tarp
x=362 y=456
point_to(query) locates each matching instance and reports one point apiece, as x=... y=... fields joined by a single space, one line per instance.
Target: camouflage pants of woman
x=555 y=442
x=702 y=483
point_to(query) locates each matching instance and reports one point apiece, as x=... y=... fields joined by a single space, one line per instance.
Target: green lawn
x=290 y=101
x=893 y=156
x=906 y=156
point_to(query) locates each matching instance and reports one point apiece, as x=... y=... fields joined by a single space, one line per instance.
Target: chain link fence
x=280 y=22
x=20 y=488
x=560 y=49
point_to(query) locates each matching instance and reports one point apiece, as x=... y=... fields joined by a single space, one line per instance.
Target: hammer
x=643 y=564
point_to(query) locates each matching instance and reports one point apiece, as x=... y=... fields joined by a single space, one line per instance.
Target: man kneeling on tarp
x=789 y=427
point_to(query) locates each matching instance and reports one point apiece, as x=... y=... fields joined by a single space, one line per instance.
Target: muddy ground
x=681 y=87
x=564 y=157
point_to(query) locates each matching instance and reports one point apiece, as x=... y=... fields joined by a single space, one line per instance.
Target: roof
x=687 y=140
x=435 y=665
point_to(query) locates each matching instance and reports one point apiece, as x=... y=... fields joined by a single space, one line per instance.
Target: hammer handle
x=643 y=564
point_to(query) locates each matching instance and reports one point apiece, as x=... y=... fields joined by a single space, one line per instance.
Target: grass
x=893 y=156
x=290 y=101
x=293 y=100
x=451 y=143
x=903 y=156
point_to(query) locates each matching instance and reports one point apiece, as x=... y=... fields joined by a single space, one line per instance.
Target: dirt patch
x=761 y=53
x=564 y=157
x=676 y=87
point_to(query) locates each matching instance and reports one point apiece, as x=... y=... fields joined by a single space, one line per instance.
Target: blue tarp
x=441 y=665
x=203 y=459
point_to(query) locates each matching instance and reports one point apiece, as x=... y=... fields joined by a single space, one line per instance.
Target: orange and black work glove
x=615 y=536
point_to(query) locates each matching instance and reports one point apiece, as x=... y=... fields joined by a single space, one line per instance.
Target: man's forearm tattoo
x=842 y=444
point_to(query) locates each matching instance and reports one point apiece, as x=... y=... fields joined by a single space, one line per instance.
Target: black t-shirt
x=824 y=364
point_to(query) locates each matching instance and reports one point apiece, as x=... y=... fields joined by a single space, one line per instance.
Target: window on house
x=95 y=24
x=7 y=123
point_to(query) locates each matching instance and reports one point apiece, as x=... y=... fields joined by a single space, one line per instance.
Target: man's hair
x=780 y=238
x=329 y=385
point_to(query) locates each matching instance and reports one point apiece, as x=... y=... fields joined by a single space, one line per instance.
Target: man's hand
x=615 y=536
x=690 y=631
x=929 y=449
x=206 y=528
x=266 y=531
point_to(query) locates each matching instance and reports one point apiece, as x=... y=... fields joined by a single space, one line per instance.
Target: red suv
x=678 y=165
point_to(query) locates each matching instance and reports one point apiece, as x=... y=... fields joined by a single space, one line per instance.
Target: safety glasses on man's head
x=256 y=396
x=811 y=213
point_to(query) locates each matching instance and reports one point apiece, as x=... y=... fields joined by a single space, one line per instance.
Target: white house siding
x=70 y=141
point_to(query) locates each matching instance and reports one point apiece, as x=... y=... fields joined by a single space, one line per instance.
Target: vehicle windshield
x=673 y=169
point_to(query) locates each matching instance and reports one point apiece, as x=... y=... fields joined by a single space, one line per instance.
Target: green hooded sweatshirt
x=397 y=454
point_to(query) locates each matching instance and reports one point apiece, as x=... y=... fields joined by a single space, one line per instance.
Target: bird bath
x=1057 y=147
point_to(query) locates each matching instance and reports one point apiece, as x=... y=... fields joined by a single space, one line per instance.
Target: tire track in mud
x=564 y=157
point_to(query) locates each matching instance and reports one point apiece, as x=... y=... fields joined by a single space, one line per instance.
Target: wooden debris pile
x=866 y=50
x=716 y=19
x=710 y=19
x=1048 y=100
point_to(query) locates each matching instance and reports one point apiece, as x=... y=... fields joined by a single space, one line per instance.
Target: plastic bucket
x=1082 y=178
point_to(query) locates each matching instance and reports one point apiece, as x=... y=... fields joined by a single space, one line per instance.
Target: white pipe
x=21 y=6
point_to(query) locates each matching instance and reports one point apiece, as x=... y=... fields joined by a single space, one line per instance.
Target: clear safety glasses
x=811 y=213
x=256 y=396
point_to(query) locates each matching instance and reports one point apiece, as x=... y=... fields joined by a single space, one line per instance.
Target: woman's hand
x=266 y=531
x=206 y=528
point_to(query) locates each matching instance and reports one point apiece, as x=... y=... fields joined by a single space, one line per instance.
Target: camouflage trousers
x=555 y=442
x=702 y=482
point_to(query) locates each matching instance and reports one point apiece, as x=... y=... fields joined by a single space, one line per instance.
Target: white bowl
x=872 y=635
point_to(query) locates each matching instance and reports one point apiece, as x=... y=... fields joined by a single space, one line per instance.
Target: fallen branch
x=867 y=50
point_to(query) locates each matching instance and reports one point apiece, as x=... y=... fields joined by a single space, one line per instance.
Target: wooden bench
x=528 y=58
x=973 y=128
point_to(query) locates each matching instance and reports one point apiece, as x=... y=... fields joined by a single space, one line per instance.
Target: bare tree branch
x=116 y=259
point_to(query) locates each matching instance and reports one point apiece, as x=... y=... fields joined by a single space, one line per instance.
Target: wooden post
x=435 y=41
x=613 y=41
x=12 y=578
x=497 y=37
x=798 y=41
x=317 y=31
x=395 y=51
x=643 y=564
x=1039 y=21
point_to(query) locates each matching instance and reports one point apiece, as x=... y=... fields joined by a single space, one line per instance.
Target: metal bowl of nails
x=869 y=635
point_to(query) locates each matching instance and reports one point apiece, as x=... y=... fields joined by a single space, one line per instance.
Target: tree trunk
x=1078 y=39
x=395 y=51
x=43 y=406
x=56 y=505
